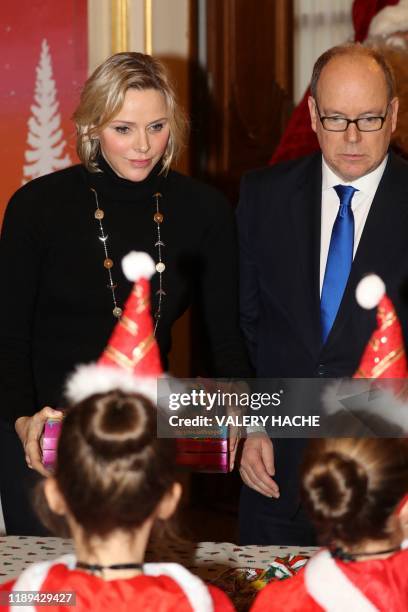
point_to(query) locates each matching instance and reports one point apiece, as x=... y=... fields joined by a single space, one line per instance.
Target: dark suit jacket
x=279 y=217
x=279 y=225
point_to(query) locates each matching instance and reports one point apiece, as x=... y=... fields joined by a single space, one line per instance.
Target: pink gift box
x=52 y=432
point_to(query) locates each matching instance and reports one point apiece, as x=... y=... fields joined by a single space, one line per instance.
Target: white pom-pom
x=370 y=291
x=137 y=264
x=389 y=20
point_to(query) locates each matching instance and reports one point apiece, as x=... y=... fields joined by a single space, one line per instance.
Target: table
x=206 y=559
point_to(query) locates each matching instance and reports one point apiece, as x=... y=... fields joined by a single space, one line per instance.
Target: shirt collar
x=366 y=184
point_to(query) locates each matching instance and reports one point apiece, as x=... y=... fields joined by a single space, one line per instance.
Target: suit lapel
x=305 y=209
x=384 y=232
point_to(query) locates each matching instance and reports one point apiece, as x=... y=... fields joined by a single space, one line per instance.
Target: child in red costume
x=355 y=491
x=114 y=479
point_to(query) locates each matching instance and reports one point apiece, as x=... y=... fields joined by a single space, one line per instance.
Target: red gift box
x=203 y=454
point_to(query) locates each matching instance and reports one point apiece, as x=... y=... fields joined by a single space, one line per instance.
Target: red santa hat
x=131 y=359
x=384 y=355
x=364 y=12
x=390 y=19
x=383 y=359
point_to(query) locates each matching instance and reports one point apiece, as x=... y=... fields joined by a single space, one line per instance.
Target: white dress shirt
x=361 y=203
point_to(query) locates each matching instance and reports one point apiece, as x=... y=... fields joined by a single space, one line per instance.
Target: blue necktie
x=339 y=260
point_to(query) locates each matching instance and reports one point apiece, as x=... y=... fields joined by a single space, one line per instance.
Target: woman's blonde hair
x=103 y=96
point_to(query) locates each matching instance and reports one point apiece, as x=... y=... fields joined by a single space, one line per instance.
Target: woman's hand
x=30 y=430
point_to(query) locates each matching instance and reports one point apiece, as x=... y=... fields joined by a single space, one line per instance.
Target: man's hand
x=257 y=465
x=30 y=430
x=234 y=434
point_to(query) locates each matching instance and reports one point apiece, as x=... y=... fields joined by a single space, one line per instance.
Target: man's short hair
x=354 y=49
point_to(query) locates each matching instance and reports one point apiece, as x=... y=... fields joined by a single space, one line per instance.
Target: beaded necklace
x=158 y=217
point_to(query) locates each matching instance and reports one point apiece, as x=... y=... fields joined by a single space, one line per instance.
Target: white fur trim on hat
x=368 y=404
x=369 y=291
x=137 y=264
x=390 y=19
x=94 y=378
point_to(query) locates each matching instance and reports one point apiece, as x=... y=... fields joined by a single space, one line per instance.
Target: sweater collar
x=109 y=184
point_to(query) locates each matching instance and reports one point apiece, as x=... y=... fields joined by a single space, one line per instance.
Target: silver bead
x=117 y=312
x=160 y=267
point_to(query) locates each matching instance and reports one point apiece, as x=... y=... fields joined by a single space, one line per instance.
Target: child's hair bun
x=112 y=468
x=336 y=487
x=118 y=426
x=351 y=487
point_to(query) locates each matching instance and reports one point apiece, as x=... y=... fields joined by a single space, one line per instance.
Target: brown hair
x=112 y=469
x=351 y=487
x=353 y=49
x=103 y=96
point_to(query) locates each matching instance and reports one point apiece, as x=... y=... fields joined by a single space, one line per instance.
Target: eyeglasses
x=363 y=124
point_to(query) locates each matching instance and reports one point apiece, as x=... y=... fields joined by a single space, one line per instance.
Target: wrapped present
x=204 y=449
x=203 y=454
x=281 y=568
x=197 y=454
x=238 y=583
x=51 y=434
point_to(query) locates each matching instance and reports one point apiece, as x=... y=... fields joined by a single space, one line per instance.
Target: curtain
x=319 y=24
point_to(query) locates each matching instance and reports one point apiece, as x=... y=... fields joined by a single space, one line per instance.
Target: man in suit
x=310 y=229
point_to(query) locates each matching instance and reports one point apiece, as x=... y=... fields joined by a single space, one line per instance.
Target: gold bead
x=117 y=312
x=158 y=217
x=108 y=263
x=99 y=214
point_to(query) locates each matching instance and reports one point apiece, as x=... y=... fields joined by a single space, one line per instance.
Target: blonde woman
x=65 y=233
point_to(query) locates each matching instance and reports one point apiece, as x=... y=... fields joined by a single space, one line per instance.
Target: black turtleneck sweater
x=56 y=309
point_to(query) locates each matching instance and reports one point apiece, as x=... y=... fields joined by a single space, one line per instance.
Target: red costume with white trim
x=165 y=587
x=382 y=583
